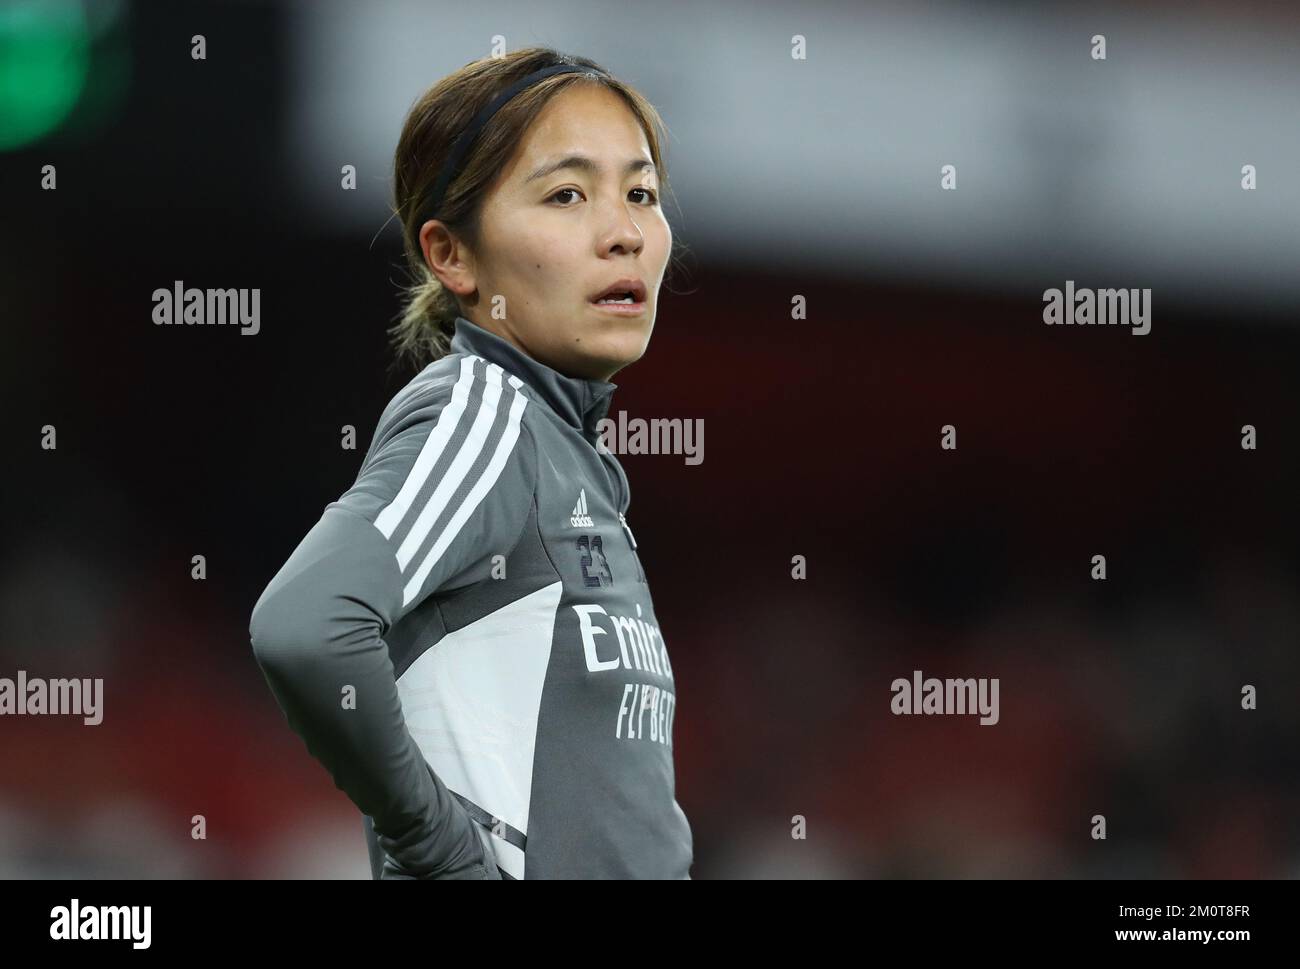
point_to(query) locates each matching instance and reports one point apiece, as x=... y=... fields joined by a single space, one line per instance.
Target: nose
x=623 y=234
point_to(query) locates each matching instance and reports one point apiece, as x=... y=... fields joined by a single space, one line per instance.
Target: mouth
x=626 y=296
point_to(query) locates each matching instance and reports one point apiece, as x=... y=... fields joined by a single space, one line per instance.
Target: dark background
x=1119 y=697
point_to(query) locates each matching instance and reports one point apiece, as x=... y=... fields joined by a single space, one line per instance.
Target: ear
x=448 y=258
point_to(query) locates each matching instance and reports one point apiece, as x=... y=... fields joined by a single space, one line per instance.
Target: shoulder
x=451 y=473
x=459 y=392
x=458 y=426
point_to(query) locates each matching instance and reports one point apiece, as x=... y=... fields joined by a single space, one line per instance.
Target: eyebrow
x=587 y=165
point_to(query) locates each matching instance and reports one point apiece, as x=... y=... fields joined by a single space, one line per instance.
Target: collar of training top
x=580 y=403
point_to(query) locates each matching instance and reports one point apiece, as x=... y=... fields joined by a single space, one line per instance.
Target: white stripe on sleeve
x=434 y=445
x=484 y=484
x=465 y=457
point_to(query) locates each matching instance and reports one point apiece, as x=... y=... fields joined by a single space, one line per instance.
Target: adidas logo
x=580 y=518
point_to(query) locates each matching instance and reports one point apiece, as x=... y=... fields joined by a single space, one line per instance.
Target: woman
x=466 y=639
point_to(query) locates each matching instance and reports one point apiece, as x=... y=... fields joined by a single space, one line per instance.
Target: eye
x=652 y=199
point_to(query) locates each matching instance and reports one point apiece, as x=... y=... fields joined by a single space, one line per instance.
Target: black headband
x=451 y=168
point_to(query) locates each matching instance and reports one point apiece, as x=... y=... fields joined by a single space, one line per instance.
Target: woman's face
x=554 y=238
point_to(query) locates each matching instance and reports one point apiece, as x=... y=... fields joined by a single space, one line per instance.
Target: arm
x=433 y=503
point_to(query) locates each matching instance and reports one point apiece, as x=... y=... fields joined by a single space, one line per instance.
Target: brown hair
x=427 y=321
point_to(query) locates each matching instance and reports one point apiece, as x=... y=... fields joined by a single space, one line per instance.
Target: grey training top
x=467 y=642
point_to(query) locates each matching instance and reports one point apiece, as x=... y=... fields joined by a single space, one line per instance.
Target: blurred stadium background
x=816 y=177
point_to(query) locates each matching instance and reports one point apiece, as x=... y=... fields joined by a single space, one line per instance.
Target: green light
x=44 y=57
